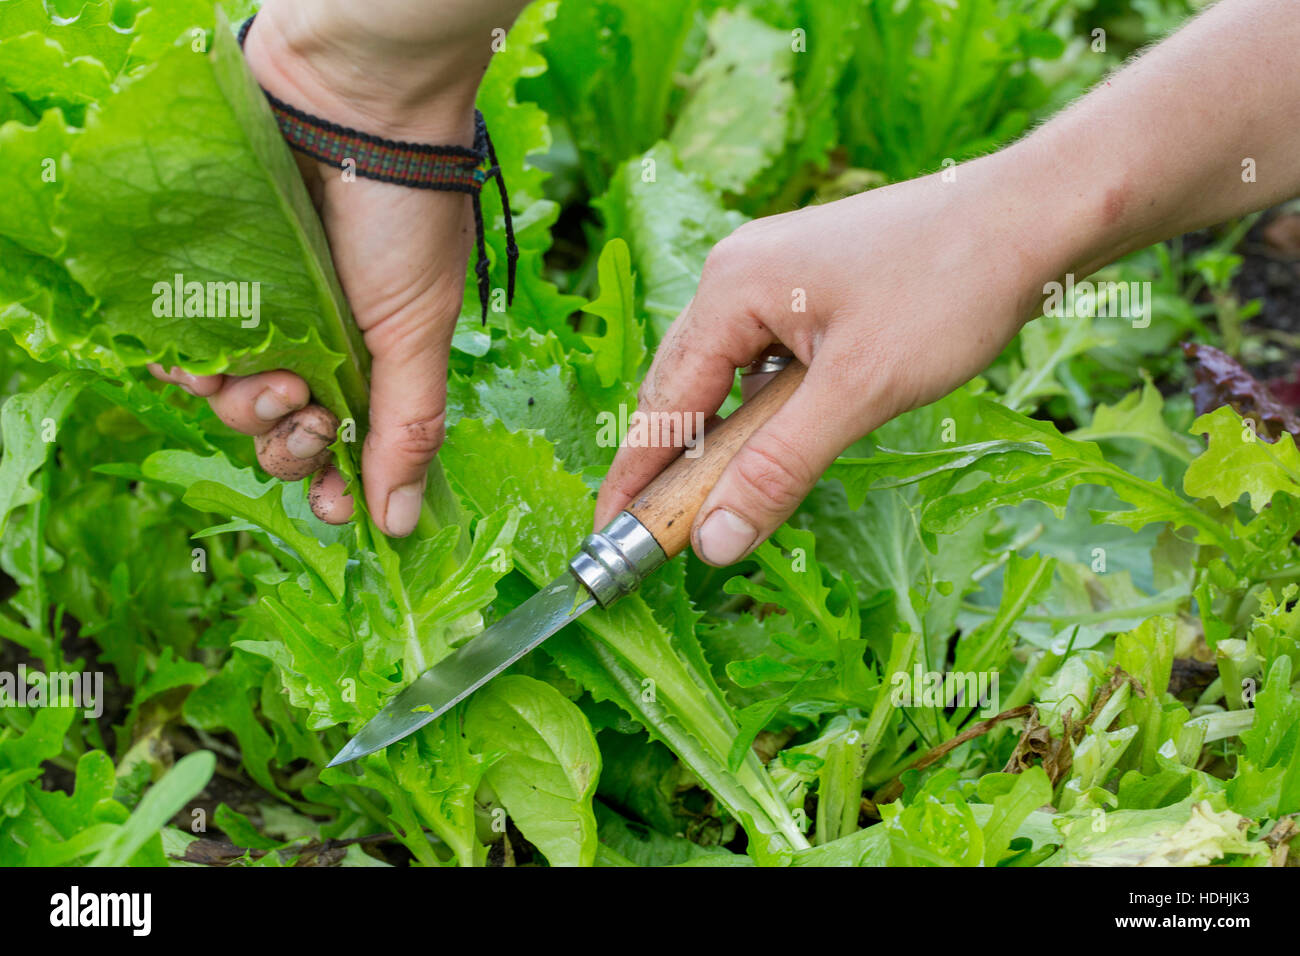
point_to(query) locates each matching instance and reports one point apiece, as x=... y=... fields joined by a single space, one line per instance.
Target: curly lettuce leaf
x=1239 y=462
x=142 y=205
x=670 y=220
x=1185 y=834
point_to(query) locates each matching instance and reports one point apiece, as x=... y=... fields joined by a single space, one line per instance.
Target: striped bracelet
x=445 y=168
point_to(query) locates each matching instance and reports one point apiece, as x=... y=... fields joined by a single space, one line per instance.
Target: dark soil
x=1271 y=273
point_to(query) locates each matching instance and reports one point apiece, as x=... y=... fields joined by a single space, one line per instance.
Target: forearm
x=1202 y=128
x=409 y=68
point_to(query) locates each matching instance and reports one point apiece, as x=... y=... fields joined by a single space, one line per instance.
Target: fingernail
x=403 y=509
x=270 y=407
x=305 y=444
x=725 y=537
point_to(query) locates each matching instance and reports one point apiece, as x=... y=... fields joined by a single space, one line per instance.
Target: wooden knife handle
x=668 y=505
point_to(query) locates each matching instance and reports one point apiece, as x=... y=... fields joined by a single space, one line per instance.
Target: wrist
x=1026 y=226
x=1088 y=202
x=311 y=59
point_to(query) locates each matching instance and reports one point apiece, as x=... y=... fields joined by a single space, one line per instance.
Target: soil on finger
x=273 y=446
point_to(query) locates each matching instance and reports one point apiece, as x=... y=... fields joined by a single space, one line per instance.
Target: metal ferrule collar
x=615 y=560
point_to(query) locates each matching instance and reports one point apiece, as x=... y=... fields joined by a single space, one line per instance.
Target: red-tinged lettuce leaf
x=1220 y=380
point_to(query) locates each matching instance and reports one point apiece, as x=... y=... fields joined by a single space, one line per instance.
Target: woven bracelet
x=418 y=165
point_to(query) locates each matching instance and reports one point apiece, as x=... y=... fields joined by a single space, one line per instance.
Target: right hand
x=910 y=291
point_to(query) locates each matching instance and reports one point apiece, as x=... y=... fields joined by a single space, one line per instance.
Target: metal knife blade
x=609 y=565
x=472 y=665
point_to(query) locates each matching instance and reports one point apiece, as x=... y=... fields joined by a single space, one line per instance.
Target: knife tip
x=347 y=754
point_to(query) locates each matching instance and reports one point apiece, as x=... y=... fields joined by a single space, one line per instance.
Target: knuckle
x=622 y=488
x=418 y=440
x=772 y=474
x=410 y=315
x=727 y=256
x=649 y=395
x=652 y=394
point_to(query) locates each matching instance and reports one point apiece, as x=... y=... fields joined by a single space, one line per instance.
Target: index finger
x=688 y=381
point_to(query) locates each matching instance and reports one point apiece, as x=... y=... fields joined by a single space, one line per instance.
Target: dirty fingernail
x=305 y=444
x=725 y=537
x=403 y=509
x=269 y=407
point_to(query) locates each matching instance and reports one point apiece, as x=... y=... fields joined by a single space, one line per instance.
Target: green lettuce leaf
x=141 y=206
x=1185 y=834
x=546 y=765
x=670 y=220
x=29 y=428
x=1238 y=462
x=679 y=703
x=734 y=121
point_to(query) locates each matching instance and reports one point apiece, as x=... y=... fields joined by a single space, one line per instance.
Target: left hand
x=404 y=70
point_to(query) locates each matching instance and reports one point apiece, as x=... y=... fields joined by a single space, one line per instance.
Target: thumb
x=401 y=255
x=771 y=474
x=408 y=405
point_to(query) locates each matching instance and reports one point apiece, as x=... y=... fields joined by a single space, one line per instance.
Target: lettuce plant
x=744 y=716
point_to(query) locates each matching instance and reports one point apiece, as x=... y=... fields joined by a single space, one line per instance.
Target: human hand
x=913 y=289
x=404 y=70
x=910 y=291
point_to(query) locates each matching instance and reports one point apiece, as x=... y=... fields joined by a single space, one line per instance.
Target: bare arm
x=1156 y=150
